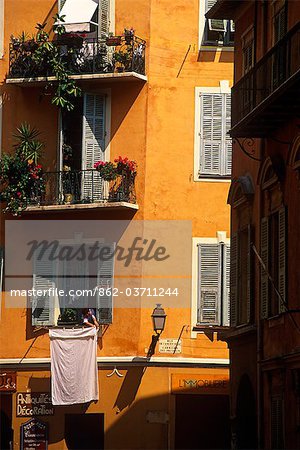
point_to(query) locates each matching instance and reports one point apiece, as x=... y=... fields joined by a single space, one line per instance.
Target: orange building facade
x=160 y=96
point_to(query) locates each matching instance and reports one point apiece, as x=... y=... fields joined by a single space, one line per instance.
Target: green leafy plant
x=123 y=58
x=21 y=177
x=37 y=55
x=107 y=170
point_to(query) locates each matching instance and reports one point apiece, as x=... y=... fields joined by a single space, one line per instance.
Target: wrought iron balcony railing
x=81 y=187
x=80 y=56
x=279 y=66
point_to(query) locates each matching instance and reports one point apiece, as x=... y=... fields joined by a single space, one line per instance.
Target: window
x=85 y=135
x=279 y=20
x=273 y=254
x=74 y=277
x=213 y=144
x=241 y=282
x=217 y=32
x=279 y=63
x=212 y=272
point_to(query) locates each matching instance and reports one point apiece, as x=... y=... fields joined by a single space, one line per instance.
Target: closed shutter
x=105 y=281
x=233 y=279
x=227 y=149
x=277 y=436
x=249 y=274
x=210 y=134
x=104 y=18
x=209 y=273
x=264 y=281
x=44 y=280
x=279 y=25
x=215 y=142
x=93 y=146
x=282 y=258
x=226 y=286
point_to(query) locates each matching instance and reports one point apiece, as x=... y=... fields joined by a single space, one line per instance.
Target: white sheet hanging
x=74 y=374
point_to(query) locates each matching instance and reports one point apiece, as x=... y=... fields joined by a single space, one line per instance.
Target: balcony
x=81 y=189
x=264 y=98
x=110 y=59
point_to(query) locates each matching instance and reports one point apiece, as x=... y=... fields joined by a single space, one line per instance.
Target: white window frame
x=201 y=28
x=196 y=241
x=223 y=88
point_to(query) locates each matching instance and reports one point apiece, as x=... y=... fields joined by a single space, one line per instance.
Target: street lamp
x=159 y=319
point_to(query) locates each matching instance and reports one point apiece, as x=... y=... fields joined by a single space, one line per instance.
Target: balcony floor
x=105 y=77
x=64 y=207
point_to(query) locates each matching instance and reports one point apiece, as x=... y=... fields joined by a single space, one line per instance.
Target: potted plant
x=123 y=59
x=68 y=317
x=113 y=41
x=107 y=170
x=128 y=35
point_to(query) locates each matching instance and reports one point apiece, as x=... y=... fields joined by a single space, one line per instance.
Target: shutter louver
x=105 y=280
x=228 y=141
x=44 y=278
x=277 y=439
x=264 y=281
x=282 y=258
x=226 y=286
x=104 y=18
x=234 y=261
x=93 y=145
x=209 y=4
x=249 y=273
x=61 y=4
x=209 y=284
x=210 y=134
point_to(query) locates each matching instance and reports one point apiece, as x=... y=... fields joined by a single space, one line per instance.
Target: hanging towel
x=74 y=374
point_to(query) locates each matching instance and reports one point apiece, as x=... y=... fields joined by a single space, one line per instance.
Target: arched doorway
x=246 y=432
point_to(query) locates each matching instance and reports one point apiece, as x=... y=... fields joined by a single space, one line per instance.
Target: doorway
x=84 y=431
x=6 y=431
x=202 y=422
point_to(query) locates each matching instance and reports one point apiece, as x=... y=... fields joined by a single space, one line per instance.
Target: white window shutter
x=93 y=145
x=105 y=278
x=44 y=279
x=282 y=257
x=209 y=272
x=104 y=18
x=234 y=262
x=249 y=275
x=227 y=147
x=210 y=133
x=226 y=286
x=264 y=281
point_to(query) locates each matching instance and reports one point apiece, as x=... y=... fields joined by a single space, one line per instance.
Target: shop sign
x=34 y=435
x=169 y=346
x=8 y=381
x=200 y=383
x=34 y=404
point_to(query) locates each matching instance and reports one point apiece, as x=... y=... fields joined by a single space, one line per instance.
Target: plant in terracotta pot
x=123 y=60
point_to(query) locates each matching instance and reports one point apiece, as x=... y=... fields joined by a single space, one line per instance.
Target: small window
x=66 y=286
x=213 y=284
x=215 y=143
x=217 y=31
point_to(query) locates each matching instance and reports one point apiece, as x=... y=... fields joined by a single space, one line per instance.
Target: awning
x=78 y=15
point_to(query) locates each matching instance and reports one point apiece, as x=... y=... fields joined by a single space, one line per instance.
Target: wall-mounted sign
x=8 y=381
x=34 y=404
x=169 y=346
x=34 y=435
x=200 y=383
